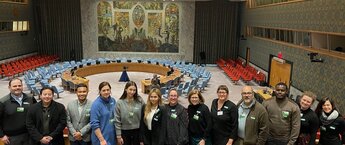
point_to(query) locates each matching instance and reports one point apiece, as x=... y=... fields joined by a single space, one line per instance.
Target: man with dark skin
x=284 y=117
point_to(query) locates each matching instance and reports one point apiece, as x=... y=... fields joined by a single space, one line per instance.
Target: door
x=280 y=71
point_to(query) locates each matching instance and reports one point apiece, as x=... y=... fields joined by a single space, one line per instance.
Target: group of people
x=132 y=121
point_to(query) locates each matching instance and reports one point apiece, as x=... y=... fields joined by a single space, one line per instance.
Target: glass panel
x=337 y=43
x=25 y=25
x=20 y=25
x=15 y=26
x=306 y=39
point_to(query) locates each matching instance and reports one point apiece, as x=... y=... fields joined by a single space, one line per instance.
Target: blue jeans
x=77 y=142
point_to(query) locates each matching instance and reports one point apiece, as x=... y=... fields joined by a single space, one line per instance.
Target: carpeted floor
x=218 y=78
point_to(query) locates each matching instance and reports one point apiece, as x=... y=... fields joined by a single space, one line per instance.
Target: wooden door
x=247 y=56
x=280 y=72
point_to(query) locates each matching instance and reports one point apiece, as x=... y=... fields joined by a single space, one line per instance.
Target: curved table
x=81 y=73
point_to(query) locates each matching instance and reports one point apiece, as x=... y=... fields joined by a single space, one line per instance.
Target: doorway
x=280 y=70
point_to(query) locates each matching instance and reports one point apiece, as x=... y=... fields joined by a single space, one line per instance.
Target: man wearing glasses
x=252 y=120
x=284 y=117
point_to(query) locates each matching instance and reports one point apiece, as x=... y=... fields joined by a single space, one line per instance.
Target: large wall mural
x=138 y=26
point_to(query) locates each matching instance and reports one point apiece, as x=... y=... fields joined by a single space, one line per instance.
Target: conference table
x=265 y=93
x=79 y=74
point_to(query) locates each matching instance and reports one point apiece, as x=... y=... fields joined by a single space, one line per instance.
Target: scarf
x=326 y=120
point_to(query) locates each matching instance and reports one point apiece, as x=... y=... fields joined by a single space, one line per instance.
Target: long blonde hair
x=149 y=104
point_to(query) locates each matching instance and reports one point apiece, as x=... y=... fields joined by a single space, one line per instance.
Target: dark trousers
x=77 y=142
x=130 y=137
x=21 y=139
x=272 y=141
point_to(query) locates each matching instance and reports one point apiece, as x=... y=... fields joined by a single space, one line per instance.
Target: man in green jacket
x=252 y=120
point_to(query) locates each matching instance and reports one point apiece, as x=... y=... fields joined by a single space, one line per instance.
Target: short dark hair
x=16 y=78
x=81 y=86
x=282 y=84
x=46 y=88
x=223 y=87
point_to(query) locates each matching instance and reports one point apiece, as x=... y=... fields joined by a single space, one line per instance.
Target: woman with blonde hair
x=153 y=121
x=199 y=119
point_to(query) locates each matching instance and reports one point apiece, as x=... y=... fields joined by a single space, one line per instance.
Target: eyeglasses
x=222 y=92
x=247 y=93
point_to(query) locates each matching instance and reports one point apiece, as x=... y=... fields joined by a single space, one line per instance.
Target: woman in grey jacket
x=128 y=115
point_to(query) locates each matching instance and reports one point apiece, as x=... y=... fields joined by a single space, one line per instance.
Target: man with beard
x=252 y=120
x=13 y=110
x=284 y=117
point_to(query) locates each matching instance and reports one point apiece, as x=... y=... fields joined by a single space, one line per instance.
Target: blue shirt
x=102 y=117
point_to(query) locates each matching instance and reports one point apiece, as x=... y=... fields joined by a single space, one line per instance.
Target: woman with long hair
x=153 y=121
x=102 y=117
x=128 y=115
x=332 y=124
x=199 y=119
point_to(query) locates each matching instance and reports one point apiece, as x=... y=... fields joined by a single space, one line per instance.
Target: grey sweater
x=127 y=115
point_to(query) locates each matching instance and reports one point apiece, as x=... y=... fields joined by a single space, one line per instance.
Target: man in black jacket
x=46 y=120
x=13 y=110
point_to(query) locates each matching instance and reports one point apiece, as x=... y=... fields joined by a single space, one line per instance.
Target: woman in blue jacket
x=102 y=117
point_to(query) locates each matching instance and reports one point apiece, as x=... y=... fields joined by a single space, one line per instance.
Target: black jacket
x=329 y=134
x=177 y=125
x=309 y=124
x=56 y=125
x=199 y=121
x=157 y=134
x=12 y=121
x=224 y=122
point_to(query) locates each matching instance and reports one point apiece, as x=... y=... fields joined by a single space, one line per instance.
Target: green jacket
x=256 y=128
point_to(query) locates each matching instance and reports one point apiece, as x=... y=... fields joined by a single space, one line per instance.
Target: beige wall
x=90 y=31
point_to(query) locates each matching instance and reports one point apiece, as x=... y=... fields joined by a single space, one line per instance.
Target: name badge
x=302 y=119
x=252 y=117
x=173 y=115
x=242 y=116
x=26 y=103
x=323 y=128
x=155 y=119
x=131 y=114
x=285 y=114
x=20 y=109
x=157 y=110
x=196 y=117
x=226 y=107
x=220 y=113
x=332 y=127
